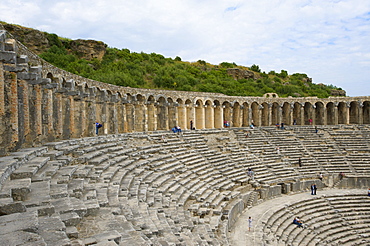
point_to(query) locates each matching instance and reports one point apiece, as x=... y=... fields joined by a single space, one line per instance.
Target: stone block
x=19 y=188
x=22 y=59
x=27 y=221
x=22 y=238
x=70 y=219
x=7 y=206
x=72 y=232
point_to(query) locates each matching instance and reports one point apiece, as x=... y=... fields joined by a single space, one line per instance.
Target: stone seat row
x=328 y=220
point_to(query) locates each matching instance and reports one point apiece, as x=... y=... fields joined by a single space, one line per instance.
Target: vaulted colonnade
x=40 y=103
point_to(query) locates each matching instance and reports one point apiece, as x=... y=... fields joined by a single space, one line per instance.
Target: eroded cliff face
x=38 y=42
x=88 y=49
x=35 y=40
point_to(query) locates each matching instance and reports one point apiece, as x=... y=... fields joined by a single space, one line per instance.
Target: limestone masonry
x=41 y=103
x=138 y=183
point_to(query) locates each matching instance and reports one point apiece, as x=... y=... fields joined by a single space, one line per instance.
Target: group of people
x=176 y=129
x=280 y=126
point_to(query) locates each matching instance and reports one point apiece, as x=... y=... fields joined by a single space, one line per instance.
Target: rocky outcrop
x=35 y=40
x=88 y=49
x=38 y=42
x=238 y=73
x=337 y=93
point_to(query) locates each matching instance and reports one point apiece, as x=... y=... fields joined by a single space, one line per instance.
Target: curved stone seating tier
x=328 y=220
x=142 y=188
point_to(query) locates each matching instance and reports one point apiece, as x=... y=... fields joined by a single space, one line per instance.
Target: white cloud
x=328 y=40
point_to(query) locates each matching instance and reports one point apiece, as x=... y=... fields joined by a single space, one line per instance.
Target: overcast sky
x=329 y=40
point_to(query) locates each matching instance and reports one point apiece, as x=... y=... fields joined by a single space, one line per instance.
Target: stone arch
x=366 y=112
x=255 y=114
x=162 y=114
x=245 y=108
x=265 y=116
x=199 y=114
x=330 y=114
x=354 y=112
x=342 y=113
x=209 y=114
x=308 y=113
x=237 y=115
x=319 y=113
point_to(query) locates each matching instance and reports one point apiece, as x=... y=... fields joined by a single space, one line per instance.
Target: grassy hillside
x=94 y=60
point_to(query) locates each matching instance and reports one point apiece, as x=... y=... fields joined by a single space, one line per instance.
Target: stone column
x=48 y=111
x=325 y=116
x=181 y=117
x=72 y=120
x=58 y=102
x=209 y=119
x=13 y=107
x=218 y=113
x=199 y=113
x=313 y=114
x=191 y=114
x=280 y=114
x=336 y=116
x=152 y=117
x=269 y=122
x=348 y=105
x=2 y=90
x=360 y=113
x=303 y=120
x=38 y=107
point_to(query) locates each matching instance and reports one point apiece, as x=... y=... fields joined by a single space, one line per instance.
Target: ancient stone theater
x=229 y=177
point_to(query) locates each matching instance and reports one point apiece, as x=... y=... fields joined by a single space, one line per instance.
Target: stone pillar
x=325 y=116
x=58 y=114
x=13 y=107
x=190 y=110
x=199 y=113
x=303 y=120
x=313 y=114
x=260 y=108
x=280 y=115
x=48 y=113
x=209 y=119
x=336 y=117
x=181 y=117
x=2 y=90
x=84 y=118
x=152 y=117
x=360 y=113
x=23 y=86
x=38 y=109
x=348 y=105
x=172 y=115
x=269 y=113
x=218 y=113
x=72 y=125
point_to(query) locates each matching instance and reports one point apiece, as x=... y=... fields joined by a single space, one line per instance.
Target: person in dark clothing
x=313 y=189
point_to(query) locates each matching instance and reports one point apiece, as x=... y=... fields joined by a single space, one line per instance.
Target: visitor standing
x=249 y=223
x=97 y=126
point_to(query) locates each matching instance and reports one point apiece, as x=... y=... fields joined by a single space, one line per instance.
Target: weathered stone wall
x=41 y=103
